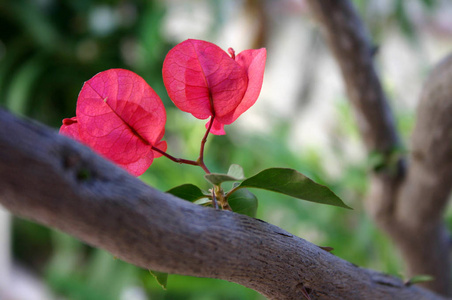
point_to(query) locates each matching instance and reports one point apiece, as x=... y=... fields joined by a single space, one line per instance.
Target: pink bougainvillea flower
x=121 y=117
x=205 y=81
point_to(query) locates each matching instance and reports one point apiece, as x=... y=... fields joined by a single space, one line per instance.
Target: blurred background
x=302 y=120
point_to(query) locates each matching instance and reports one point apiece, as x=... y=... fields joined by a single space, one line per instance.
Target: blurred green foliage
x=383 y=17
x=49 y=48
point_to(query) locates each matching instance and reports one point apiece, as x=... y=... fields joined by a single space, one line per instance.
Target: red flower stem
x=175 y=159
x=199 y=161
x=203 y=143
x=203 y=166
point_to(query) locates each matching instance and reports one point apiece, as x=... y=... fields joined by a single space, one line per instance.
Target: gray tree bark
x=407 y=201
x=58 y=182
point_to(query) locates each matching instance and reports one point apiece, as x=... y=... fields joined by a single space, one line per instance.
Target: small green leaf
x=202 y=201
x=419 y=279
x=236 y=171
x=389 y=161
x=162 y=278
x=187 y=191
x=292 y=183
x=243 y=202
x=217 y=178
x=326 y=248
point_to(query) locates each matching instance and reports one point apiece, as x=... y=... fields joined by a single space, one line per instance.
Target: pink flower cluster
x=121 y=117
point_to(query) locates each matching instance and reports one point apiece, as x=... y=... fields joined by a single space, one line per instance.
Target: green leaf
x=162 y=278
x=217 y=178
x=187 y=191
x=389 y=161
x=292 y=183
x=202 y=201
x=243 y=202
x=236 y=171
x=419 y=279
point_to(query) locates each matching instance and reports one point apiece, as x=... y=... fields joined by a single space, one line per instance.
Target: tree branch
x=57 y=182
x=408 y=207
x=348 y=40
x=424 y=193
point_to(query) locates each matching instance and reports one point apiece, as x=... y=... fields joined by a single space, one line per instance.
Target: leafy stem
x=220 y=197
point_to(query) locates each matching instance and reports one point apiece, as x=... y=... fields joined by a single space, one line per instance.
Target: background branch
x=424 y=193
x=55 y=181
x=408 y=207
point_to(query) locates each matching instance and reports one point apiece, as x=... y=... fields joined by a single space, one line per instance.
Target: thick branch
x=408 y=208
x=425 y=191
x=431 y=149
x=350 y=45
x=57 y=182
x=348 y=41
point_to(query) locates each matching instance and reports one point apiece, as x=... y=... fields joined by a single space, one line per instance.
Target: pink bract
x=205 y=81
x=121 y=117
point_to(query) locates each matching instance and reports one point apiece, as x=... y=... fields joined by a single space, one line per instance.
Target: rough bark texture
x=408 y=203
x=59 y=183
